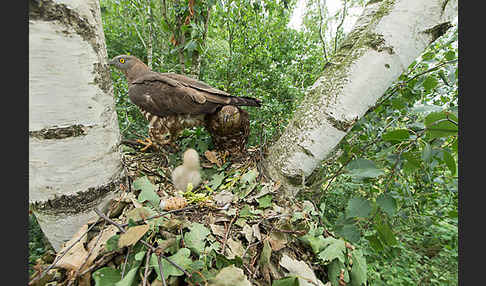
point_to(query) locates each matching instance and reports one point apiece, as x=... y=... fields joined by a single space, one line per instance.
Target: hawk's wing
x=163 y=95
x=169 y=93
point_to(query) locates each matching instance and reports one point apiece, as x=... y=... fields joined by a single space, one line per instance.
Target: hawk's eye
x=122 y=60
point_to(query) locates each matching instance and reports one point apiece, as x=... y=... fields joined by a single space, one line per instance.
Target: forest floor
x=229 y=230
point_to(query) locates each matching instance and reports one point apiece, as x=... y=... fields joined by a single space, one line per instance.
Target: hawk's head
x=123 y=62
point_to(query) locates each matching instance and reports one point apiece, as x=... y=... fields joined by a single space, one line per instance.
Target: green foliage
x=37 y=246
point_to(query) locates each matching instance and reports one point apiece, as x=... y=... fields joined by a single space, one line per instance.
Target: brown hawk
x=172 y=102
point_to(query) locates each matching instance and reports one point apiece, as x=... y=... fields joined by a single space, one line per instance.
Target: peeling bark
x=385 y=40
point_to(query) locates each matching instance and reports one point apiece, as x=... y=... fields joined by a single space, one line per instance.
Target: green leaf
x=412 y=162
x=358 y=207
x=106 y=276
x=358 y=272
x=350 y=232
x=195 y=238
x=112 y=243
x=287 y=281
x=428 y=56
x=441 y=124
x=335 y=249
x=334 y=271
x=139 y=256
x=265 y=201
x=362 y=168
x=249 y=176
x=316 y=243
x=450 y=55
x=130 y=276
x=450 y=162
x=385 y=233
x=181 y=258
x=387 y=203
x=430 y=83
x=148 y=192
x=396 y=136
x=216 y=180
x=266 y=253
x=375 y=243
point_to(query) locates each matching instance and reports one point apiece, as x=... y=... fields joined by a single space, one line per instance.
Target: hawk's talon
x=147 y=144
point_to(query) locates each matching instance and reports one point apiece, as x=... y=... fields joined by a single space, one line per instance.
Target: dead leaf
x=300 y=269
x=277 y=240
x=217 y=230
x=256 y=232
x=76 y=256
x=230 y=276
x=248 y=233
x=107 y=233
x=223 y=198
x=132 y=235
x=138 y=214
x=212 y=157
x=235 y=247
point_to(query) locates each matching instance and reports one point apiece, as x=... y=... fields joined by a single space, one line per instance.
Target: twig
x=320 y=29
x=339 y=27
x=102 y=215
x=149 y=252
x=227 y=231
x=125 y=262
x=159 y=259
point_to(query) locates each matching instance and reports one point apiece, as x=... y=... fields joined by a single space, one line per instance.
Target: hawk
x=172 y=102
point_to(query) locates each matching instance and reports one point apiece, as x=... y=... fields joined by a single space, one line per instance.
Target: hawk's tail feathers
x=247 y=101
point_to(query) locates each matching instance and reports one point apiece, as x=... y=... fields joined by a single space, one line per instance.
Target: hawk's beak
x=111 y=62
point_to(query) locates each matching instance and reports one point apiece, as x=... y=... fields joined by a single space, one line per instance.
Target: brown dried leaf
x=75 y=257
x=132 y=235
x=138 y=214
x=107 y=233
x=277 y=240
x=235 y=248
x=212 y=157
x=217 y=230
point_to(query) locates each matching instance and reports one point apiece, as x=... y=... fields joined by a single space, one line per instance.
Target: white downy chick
x=188 y=172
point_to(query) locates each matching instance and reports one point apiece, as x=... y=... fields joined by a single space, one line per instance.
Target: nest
x=227 y=231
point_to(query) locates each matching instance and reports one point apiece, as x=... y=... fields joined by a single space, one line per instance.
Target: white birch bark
x=386 y=39
x=74 y=158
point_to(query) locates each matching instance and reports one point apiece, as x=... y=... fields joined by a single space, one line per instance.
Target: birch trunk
x=386 y=39
x=74 y=156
